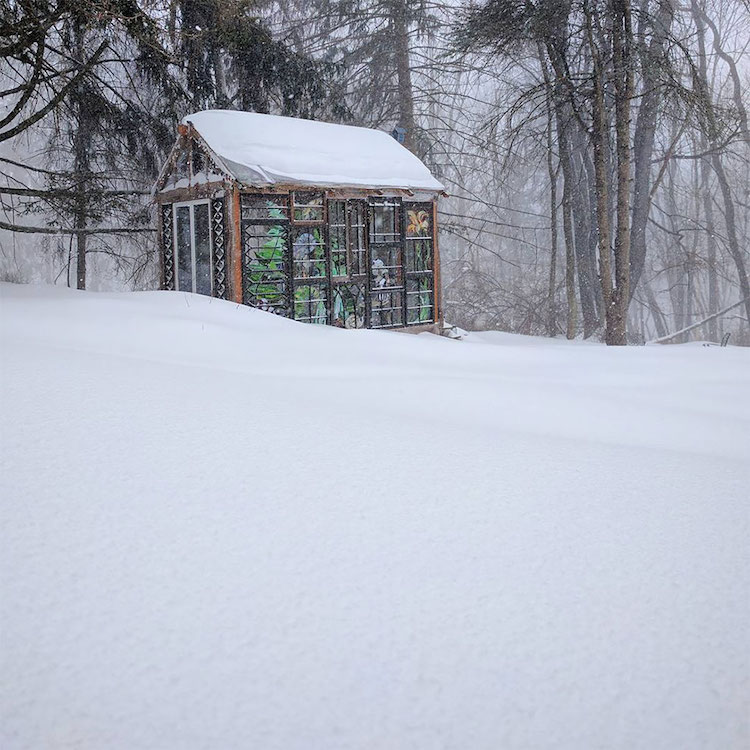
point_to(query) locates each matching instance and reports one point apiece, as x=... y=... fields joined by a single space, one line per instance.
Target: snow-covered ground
x=222 y=529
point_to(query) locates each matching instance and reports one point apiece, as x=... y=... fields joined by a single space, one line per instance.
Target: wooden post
x=235 y=250
x=160 y=243
x=437 y=292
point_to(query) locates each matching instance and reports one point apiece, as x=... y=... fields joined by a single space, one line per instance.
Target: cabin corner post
x=437 y=290
x=235 y=252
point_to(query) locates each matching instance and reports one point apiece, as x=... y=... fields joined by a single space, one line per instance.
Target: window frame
x=247 y=199
x=412 y=275
x=191 y=205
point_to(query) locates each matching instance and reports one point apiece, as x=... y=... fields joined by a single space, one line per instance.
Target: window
x=386 y=264
x=418 y=251
x=308 y=253
x=309 y=258
x=385 y=224
x=358 y=237
x=349 y=305
x=308 y=206
x=338 y=237
x=192 y=236
x=265 y=232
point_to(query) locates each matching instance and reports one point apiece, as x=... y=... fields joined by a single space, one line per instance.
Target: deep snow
x=222 y=529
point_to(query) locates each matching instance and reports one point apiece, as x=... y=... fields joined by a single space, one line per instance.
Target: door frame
x=191 y=205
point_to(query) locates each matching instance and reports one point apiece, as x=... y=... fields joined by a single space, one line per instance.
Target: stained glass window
x=349 y=305
x=308 y=206
x=265 y=271
x=385 y=225
x=337 y=237
x=418 y=249
x=308 y=253
x=264 y=208
x=311 y=303
x=358 y=237
x=419 y=302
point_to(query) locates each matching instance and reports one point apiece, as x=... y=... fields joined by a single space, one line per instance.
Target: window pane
x=311 y=304
x=349 y=305
x=264 y=208
x=418 y=237
x=338 y=237
x=308 y=206
x=419 y=302
x=386 y=266
x=184 y=254
x=201 y=227
x=357 y=228
x=263 y=266
x=308 y=253
x=385 y=225
x=418 y=221
x=387 y=308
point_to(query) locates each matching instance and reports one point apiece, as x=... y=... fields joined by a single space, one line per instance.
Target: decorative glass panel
x=418 y=220
x=219 y=249
x=349 y=305
x=167 y=239
x=386 y=266
x=308 y=206
x=263 y=264
x=387 y=309
x=311 y=303
x=184 y=249
x=385 y=222
x=264 y=208
x=308 y=253
x=202 y=238
x=337 y=234
x=419 y=300
x=418 y=237
x=357 y=237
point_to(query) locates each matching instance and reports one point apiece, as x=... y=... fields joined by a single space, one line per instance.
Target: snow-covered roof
x=260 y=150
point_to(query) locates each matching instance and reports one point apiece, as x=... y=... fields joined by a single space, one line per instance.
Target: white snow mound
x=222 y=529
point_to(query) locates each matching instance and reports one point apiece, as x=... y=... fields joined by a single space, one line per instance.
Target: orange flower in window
x=419 y=223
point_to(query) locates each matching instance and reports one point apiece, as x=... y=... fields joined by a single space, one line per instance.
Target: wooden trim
x=235 y=247
x=160 y=244
x=437 y=292
x=206 y=190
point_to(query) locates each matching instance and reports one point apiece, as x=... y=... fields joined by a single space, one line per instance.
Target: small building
x=318 y=222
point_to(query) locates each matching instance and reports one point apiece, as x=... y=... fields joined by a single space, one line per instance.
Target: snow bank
x=267 y=149
x=224 y=529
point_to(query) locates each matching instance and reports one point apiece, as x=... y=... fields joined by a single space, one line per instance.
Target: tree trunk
x=622 y=36
x=403 y=73
x=570 y=266
x=81 y=155
x=644 y=135
x=716 y=163
x=729 y=218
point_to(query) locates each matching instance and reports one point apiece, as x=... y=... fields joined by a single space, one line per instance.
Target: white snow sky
x=222 y=529
x=266 y=149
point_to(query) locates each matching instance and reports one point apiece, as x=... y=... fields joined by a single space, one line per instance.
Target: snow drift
x=223 y=529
